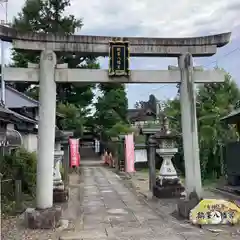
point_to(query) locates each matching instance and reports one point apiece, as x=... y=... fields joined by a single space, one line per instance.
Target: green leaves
x=73 y=119
x=118 y=128
x=49 y=17
x=214 y=100
x=111 y=109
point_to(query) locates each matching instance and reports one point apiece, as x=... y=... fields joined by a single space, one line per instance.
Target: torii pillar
x=193 y=183
x=189 y=126
x=46 y=129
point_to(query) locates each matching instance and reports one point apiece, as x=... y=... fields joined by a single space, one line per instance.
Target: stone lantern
x=168 y=183
x=61 y=158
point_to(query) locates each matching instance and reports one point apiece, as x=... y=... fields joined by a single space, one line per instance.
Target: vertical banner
x=97 y=145
x=129 y=153
x=79 y=156
x=74 y=152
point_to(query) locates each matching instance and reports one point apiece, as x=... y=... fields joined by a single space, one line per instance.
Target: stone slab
x=85 y=234
x=129 y=231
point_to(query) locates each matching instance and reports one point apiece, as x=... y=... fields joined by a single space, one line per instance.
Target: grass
x=145 y=170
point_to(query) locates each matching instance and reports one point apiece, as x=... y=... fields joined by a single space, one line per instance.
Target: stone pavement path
x=112 y=211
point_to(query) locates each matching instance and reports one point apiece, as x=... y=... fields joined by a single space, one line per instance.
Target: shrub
x=20 y=165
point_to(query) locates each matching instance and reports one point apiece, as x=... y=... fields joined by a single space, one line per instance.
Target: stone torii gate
x=48 y=73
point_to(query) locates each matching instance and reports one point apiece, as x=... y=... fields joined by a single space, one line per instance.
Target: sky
x=156 y=18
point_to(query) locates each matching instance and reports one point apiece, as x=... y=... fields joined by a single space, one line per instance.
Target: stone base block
x=60 y=196
x=43 y=219
x=186 y=205
x=168 y=181
x=168 y=191
x=58 y=185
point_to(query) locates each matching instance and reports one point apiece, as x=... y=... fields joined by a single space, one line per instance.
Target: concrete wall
x=30 y=141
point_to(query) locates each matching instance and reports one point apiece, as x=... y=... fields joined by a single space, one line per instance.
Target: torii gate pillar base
x=43 y=219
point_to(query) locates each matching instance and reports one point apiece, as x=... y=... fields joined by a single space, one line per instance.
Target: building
x=144 y=113
x=10 y=138
x=26 y=112
x=139 y=117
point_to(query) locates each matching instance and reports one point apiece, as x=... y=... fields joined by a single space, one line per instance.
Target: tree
x=119 y=128
x=213 y=102
x=73 y=119
x=152 y=102
x=48 y=17
x=137 y=105
x=112 y=106
x=172 y=108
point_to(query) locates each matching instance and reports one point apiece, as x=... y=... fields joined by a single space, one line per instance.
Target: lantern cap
x=165 y=132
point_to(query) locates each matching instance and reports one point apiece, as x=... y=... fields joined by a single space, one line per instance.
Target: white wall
x=140 y=155
x=30 y=141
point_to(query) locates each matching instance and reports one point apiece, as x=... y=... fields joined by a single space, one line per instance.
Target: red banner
x=74 y=152
x=129 y=154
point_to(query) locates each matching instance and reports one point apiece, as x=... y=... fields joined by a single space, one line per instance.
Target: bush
x=118 y=128
x=20 y=165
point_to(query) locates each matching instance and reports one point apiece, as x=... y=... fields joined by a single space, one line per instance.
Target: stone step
x=85 y=234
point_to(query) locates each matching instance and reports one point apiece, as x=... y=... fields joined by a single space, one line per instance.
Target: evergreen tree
x=48 y=17
x=214 y=101
x=112 y=106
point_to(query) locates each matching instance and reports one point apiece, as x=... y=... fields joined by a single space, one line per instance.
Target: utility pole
x=4 y=4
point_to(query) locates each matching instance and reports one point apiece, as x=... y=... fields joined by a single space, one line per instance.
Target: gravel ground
x=12 y=228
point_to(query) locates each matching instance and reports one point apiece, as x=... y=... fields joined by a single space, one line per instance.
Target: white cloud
x=151 y=17
x=159 y=17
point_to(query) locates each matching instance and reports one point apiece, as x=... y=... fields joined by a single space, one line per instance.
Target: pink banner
x=129 y=153
x=74 y=152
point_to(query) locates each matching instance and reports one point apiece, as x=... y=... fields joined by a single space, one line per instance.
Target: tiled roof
x=16 y=116
x=16 y=99
x=140 y=114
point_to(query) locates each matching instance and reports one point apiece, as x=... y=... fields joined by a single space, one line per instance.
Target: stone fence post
x=152 y=145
